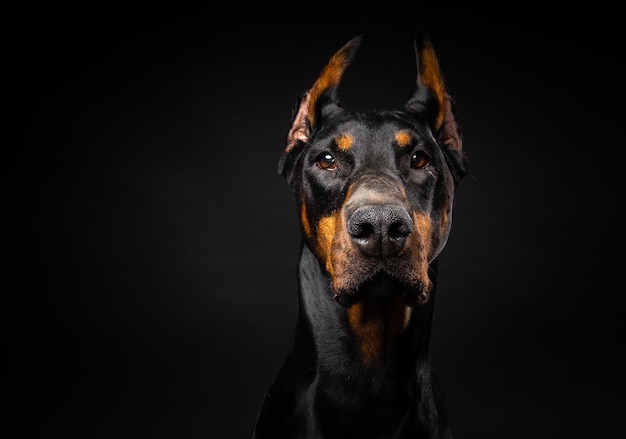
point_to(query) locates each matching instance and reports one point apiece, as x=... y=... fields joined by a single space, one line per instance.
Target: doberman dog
x=374 y=192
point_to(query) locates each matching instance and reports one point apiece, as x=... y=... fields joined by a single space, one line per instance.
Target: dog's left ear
x=319 y=102
x=431 y=102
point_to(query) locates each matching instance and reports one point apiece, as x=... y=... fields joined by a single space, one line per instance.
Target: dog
x=374 y=194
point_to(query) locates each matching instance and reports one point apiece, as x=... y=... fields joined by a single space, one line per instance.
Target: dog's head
x=375 y=189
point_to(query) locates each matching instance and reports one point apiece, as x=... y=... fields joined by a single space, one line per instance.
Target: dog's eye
x=326 y=161
x=419 y=160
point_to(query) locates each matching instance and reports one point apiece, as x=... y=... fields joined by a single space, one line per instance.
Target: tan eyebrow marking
x=344 y=141
x=403 y=138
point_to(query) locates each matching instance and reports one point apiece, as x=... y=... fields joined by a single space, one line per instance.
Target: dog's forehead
x=374 y=129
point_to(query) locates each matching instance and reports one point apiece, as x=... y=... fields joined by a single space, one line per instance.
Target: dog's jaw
x=384 y=286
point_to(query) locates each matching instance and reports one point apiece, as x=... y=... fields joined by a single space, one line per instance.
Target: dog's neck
x=372 y=337
x=335 y=374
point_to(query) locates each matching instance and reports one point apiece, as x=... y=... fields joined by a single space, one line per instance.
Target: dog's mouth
x=383 y=285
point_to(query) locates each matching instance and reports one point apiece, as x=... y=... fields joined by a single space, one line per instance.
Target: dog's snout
x=380 y=230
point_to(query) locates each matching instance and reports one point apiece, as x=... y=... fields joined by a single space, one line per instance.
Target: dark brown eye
x=326 y=161
x=419 y=161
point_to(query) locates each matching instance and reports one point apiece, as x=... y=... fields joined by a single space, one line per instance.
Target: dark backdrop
x=150 y=245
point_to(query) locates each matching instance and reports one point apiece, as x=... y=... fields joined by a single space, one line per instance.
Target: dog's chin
x=383 y=286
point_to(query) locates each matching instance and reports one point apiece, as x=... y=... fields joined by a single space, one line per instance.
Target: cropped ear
x=319 y=101
x=432 y=103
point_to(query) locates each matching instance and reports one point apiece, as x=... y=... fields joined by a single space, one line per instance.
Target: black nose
x=380 y=230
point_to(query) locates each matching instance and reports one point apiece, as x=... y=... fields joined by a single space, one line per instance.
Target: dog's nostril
x=380 y=230
x=400 y=230
x=360 y=230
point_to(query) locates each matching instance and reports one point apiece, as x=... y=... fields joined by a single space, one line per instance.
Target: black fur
x=374 y=193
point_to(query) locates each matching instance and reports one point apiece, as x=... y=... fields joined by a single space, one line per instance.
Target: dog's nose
x=381 y=230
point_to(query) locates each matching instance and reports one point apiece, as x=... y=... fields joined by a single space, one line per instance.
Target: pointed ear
x=321 y=99
x=430 y=99
x=317 y=103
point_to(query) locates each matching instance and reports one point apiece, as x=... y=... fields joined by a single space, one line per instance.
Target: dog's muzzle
x=383 y=255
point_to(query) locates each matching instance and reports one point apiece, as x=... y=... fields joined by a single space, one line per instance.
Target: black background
x=150 y=245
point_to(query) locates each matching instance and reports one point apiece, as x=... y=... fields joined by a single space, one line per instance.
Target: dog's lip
x=383 y=285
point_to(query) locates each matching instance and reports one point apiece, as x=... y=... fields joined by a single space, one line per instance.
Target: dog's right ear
x=316 y=104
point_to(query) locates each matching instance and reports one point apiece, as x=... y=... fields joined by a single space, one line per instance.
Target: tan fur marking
x=344 y=141
x=403 y=138
x=444 y=220
x=376 y=324
x=330 y=77
x=343 y=254
x=325 y=235
x=424 y=227
x=430 y=74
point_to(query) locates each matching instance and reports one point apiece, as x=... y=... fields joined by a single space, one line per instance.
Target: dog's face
x=375 y=189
